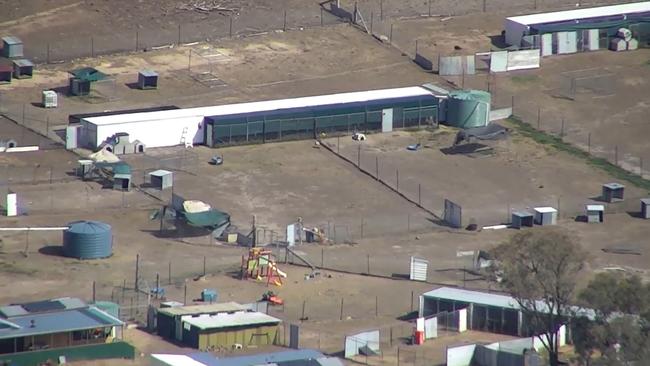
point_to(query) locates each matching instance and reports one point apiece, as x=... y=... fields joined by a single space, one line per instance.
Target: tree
x=620 y=330
x=539 y=268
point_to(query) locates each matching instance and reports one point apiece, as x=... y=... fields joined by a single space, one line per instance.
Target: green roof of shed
x=88 y=74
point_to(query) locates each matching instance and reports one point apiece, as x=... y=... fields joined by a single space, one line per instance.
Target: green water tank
x=468 y=108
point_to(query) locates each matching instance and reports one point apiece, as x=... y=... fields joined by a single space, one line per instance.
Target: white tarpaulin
x=431 y=328
x=193 y=206
x=525 y=59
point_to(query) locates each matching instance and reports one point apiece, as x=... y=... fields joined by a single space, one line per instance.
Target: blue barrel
x=88 y=240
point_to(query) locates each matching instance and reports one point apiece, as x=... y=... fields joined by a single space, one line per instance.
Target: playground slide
x=275 y=268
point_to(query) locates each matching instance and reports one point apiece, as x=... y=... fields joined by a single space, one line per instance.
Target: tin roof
x=522 y=213
x=11 y=40
x=288 y=358
x=228 y=320
x=614 y=185
x=544 y=209
x=496 y=300
x=148 y=73
x=223 y=307
x=582 y=13
x=89 y=317
x=23 y=62
x=595 y=208
x=264 y=106
x=64 y=303
x=160 y=173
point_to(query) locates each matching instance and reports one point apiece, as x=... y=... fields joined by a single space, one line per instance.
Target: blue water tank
x=88 y=240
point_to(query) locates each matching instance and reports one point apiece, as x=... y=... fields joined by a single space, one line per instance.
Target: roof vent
x=32 y=323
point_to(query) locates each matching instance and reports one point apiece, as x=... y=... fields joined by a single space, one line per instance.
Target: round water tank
x=88 y=240
x=468 y=108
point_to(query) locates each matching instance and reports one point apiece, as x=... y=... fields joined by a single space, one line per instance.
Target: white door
x=387 y=120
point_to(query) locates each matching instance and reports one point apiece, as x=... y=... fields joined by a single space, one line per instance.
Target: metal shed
x=12 y=47
x=545 y=216
x=6 y=74
x=613 y=192
x=645 y=208
x=79 y=87
x=147 y=79
x=521 y=219
x=162 y=179
x=122 y=182
x=23 y=69
x=595 y=213
x=88 y=240
x=228 y=329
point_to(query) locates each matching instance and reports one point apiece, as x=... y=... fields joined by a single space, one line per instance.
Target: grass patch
x=555 y=142
x=524 y=79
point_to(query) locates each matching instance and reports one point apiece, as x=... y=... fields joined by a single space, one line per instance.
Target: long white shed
x=172 y=127
x=519 y=26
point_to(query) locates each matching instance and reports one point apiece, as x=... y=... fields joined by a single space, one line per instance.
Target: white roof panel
x=176 y=360
x=582 y=13
x=545 y=209
x=474 y=297
x=263 y=106
x=595 y=208
x=225 y=320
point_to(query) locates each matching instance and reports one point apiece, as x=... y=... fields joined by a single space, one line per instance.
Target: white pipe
x=45 y=228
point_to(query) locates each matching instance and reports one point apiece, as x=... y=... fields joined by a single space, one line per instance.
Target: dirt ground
x=68 y=29
x=376 y=230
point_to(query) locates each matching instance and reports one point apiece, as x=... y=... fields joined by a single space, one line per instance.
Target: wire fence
x=151 y=38
x=558 y=125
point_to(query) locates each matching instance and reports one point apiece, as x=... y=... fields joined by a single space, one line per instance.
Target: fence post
x=562 y=130
x=185 y=295
x=230 y=29
x=397 y=180
x=358 y=155
x=170 y=272
x=341 y=318
x=377 y=167
x=321 y=17
x=589 y=143
x=322 y=257
x=372 y=20
x=616 y=155
x=284 y=24
x=390 y=36
x=362 y=228
x=484 y=6
x=419 y=195
x=47 y=55
x=411 y=300
x=94 y=293
x=368 y=262
x=92 y=46
x=539 y=117
x=429 y=8
x=381 y=10
x=137 y=271
x=203 y=266
x=137 y=40
x=641 y=167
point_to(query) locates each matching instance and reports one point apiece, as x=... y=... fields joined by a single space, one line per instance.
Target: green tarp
x=211 y=218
